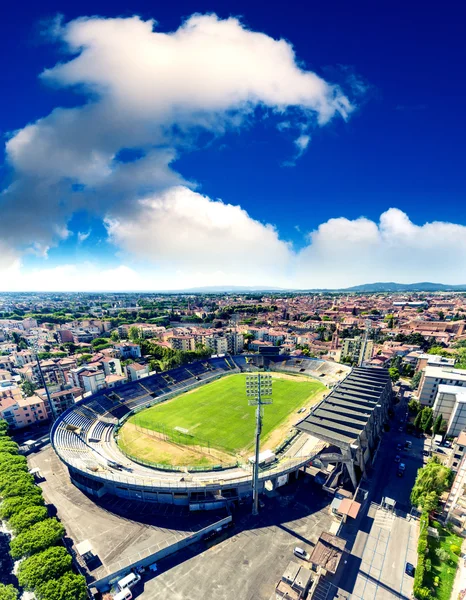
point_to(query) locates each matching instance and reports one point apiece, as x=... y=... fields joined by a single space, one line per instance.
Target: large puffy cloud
x=183 y=230
x=152 y=92
x=220 y=244
x=343 y=252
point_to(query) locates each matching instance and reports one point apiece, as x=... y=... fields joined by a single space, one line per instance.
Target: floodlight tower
x=259 y=390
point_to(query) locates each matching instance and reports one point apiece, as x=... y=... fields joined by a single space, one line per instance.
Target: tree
x=418 y=421
x=27 y=517
x=8 y=592
x=28 y=388
x=426 y=419
x=416 y=380
x=39 y=568
x=8 y=445
x=14 y=478
x=434 y=477
x=394 y=374
x=430 y=502
x=13 y=488
x=67 y=587
x=442 y=554
x=414 y=406
x=133 y=334
x=37 y=538
x=114 y=336
x=3 y=427
x=437 y=425
x=15 y=504
x=12 y=462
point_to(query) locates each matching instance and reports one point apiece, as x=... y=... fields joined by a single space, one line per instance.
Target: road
x=382 y=542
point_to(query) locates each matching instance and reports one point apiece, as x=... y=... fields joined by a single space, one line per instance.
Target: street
x=383 y=541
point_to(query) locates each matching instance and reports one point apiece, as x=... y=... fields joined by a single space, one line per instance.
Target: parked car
x=409 y=569
x=401 y=469
x=400 y=429
x=399 y=446
x=300 y=553
x=397 y=458
x=408 y=445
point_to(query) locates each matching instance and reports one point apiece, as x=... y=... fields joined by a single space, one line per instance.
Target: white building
x=450 y=402
x=433 y=377
x=112 y=366
x=136 y=371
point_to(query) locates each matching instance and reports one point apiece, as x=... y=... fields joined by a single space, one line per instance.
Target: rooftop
x=328 y=551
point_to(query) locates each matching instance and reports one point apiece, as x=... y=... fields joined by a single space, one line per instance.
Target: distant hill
x=425 y=286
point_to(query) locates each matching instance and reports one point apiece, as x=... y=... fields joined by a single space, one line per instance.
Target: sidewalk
x=459 y=587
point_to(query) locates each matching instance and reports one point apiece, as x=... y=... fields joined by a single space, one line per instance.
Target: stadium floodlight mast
x=259 y=390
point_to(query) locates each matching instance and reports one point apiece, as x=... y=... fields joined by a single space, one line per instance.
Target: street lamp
x=259 y=390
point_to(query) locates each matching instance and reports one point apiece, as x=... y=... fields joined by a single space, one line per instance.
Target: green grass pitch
x=219 y=412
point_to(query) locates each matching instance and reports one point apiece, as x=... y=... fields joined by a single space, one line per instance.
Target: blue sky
x=355 y=176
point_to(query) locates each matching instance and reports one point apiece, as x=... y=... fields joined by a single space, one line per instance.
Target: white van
x=125 y=594
x=128 y=581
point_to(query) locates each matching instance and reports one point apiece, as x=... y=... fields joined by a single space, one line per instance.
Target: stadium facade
x=83 y=437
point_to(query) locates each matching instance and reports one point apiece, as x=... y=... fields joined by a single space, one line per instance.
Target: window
x=460 y=448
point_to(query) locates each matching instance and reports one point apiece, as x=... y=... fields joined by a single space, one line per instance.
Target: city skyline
x=301 y=153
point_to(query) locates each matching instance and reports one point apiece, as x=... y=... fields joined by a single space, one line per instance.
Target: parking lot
x=119 y=530
x=248 y=562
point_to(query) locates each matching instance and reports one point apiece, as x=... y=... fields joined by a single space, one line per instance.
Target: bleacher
x=80 y=430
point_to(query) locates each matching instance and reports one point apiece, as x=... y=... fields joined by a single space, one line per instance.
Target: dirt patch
x=163 y=452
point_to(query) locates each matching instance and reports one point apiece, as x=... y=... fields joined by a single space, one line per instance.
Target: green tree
x=114 y=336
x=39 y=568
x=15 y=504
x=8 y=592
x=8 y=445
x=16 y=488
x=28 y=517
x=14 y=478
x=67 y=587
x=426 y=419
x=11 y=462
x=434 y=477
x=430 y=502
x=394 y=374
x=414 y=406
x=3 y=427
x=437 y=425
x=442 y=554
x=416 y=380
x=37 y=538
x=418 y=421
x=133 y=334
x=28 y=388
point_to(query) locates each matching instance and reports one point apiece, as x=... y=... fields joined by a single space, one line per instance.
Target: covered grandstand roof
x=345 y=412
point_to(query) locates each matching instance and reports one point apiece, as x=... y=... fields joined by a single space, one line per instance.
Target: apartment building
x=112 y=366
x=458 y=451
x=435 y=376
x=455 y=506
x=235 y=342
x=450 y=402
x=185 y=343
x=217 y=344
x=354 y=349
x=136 y=371
x=17 y=410
x=128 y=350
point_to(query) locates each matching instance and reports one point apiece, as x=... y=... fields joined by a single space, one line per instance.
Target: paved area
x=119 y=530
x=248 y=564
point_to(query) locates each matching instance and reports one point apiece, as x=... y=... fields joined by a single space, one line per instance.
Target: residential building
x=295 y=582
x=17 y=410
x=433 y=360
x=435 y=376
x=235 y=342
x=112 y=366
x=128 y=350
x=136 y=371
x=217 y=344
x=185 y=343
x=65 y=335
x=450 y=402
x=455 y=506
x=458 y=451
x=356 y=350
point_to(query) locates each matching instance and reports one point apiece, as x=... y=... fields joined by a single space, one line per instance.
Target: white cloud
x=83 y=235
x=153 y=92
x=188 y=240
x=183 y=230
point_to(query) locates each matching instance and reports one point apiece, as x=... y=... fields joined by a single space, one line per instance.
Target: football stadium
x=186 y=436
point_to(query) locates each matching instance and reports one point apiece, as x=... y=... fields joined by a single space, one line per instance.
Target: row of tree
x=46 y=566
x=431 y=482
x=425 y=422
